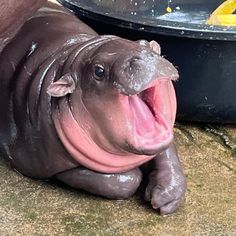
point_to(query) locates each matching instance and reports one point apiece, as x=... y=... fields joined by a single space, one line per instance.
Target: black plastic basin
x=205 y=55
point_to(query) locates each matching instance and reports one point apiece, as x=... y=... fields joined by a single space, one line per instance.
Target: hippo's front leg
x=113 y=186
x=167 y=183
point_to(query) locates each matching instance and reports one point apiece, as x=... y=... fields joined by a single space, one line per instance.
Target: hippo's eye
x=99 y=72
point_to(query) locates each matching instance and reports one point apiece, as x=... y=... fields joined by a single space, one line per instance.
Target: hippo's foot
x=165 y=190
x=113 y=186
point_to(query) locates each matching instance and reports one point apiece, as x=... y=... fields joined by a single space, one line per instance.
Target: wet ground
x=208 y=154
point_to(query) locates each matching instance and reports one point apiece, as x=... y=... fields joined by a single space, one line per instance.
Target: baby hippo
x=89 y=110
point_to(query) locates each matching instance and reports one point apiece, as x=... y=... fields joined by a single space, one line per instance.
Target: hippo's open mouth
x=153 y=113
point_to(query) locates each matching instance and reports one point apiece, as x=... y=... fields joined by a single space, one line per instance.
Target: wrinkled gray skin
x=13 y=15
x=37 y=51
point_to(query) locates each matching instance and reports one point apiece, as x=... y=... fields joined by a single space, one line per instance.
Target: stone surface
x=208 y=154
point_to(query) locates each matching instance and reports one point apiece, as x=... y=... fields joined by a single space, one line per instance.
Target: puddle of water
x=195 y=12
x=169 y=10
x=193 y=17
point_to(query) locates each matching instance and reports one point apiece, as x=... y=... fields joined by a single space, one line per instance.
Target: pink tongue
x=165 y=100
x=143 y=117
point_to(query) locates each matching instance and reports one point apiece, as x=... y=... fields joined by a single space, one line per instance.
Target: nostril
x=155 y=55
x=134 y=63
x=135 y=59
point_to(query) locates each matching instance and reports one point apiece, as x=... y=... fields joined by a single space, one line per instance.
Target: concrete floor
x=208 y=154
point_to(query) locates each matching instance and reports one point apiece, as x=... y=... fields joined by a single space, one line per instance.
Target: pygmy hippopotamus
x=89 y=110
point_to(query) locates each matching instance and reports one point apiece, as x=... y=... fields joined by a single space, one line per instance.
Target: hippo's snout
x=139 y=70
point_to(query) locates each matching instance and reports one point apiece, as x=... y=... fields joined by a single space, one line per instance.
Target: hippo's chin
x=85 y=151
x=153 y=112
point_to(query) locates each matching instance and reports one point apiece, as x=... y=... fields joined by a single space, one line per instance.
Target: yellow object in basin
x=223 y=15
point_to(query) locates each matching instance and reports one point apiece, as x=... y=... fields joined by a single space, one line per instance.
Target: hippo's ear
x=155 y=47
x=62 y=87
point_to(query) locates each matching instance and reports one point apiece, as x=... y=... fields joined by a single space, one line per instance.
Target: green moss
x=76 y=225
x=31 y=215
